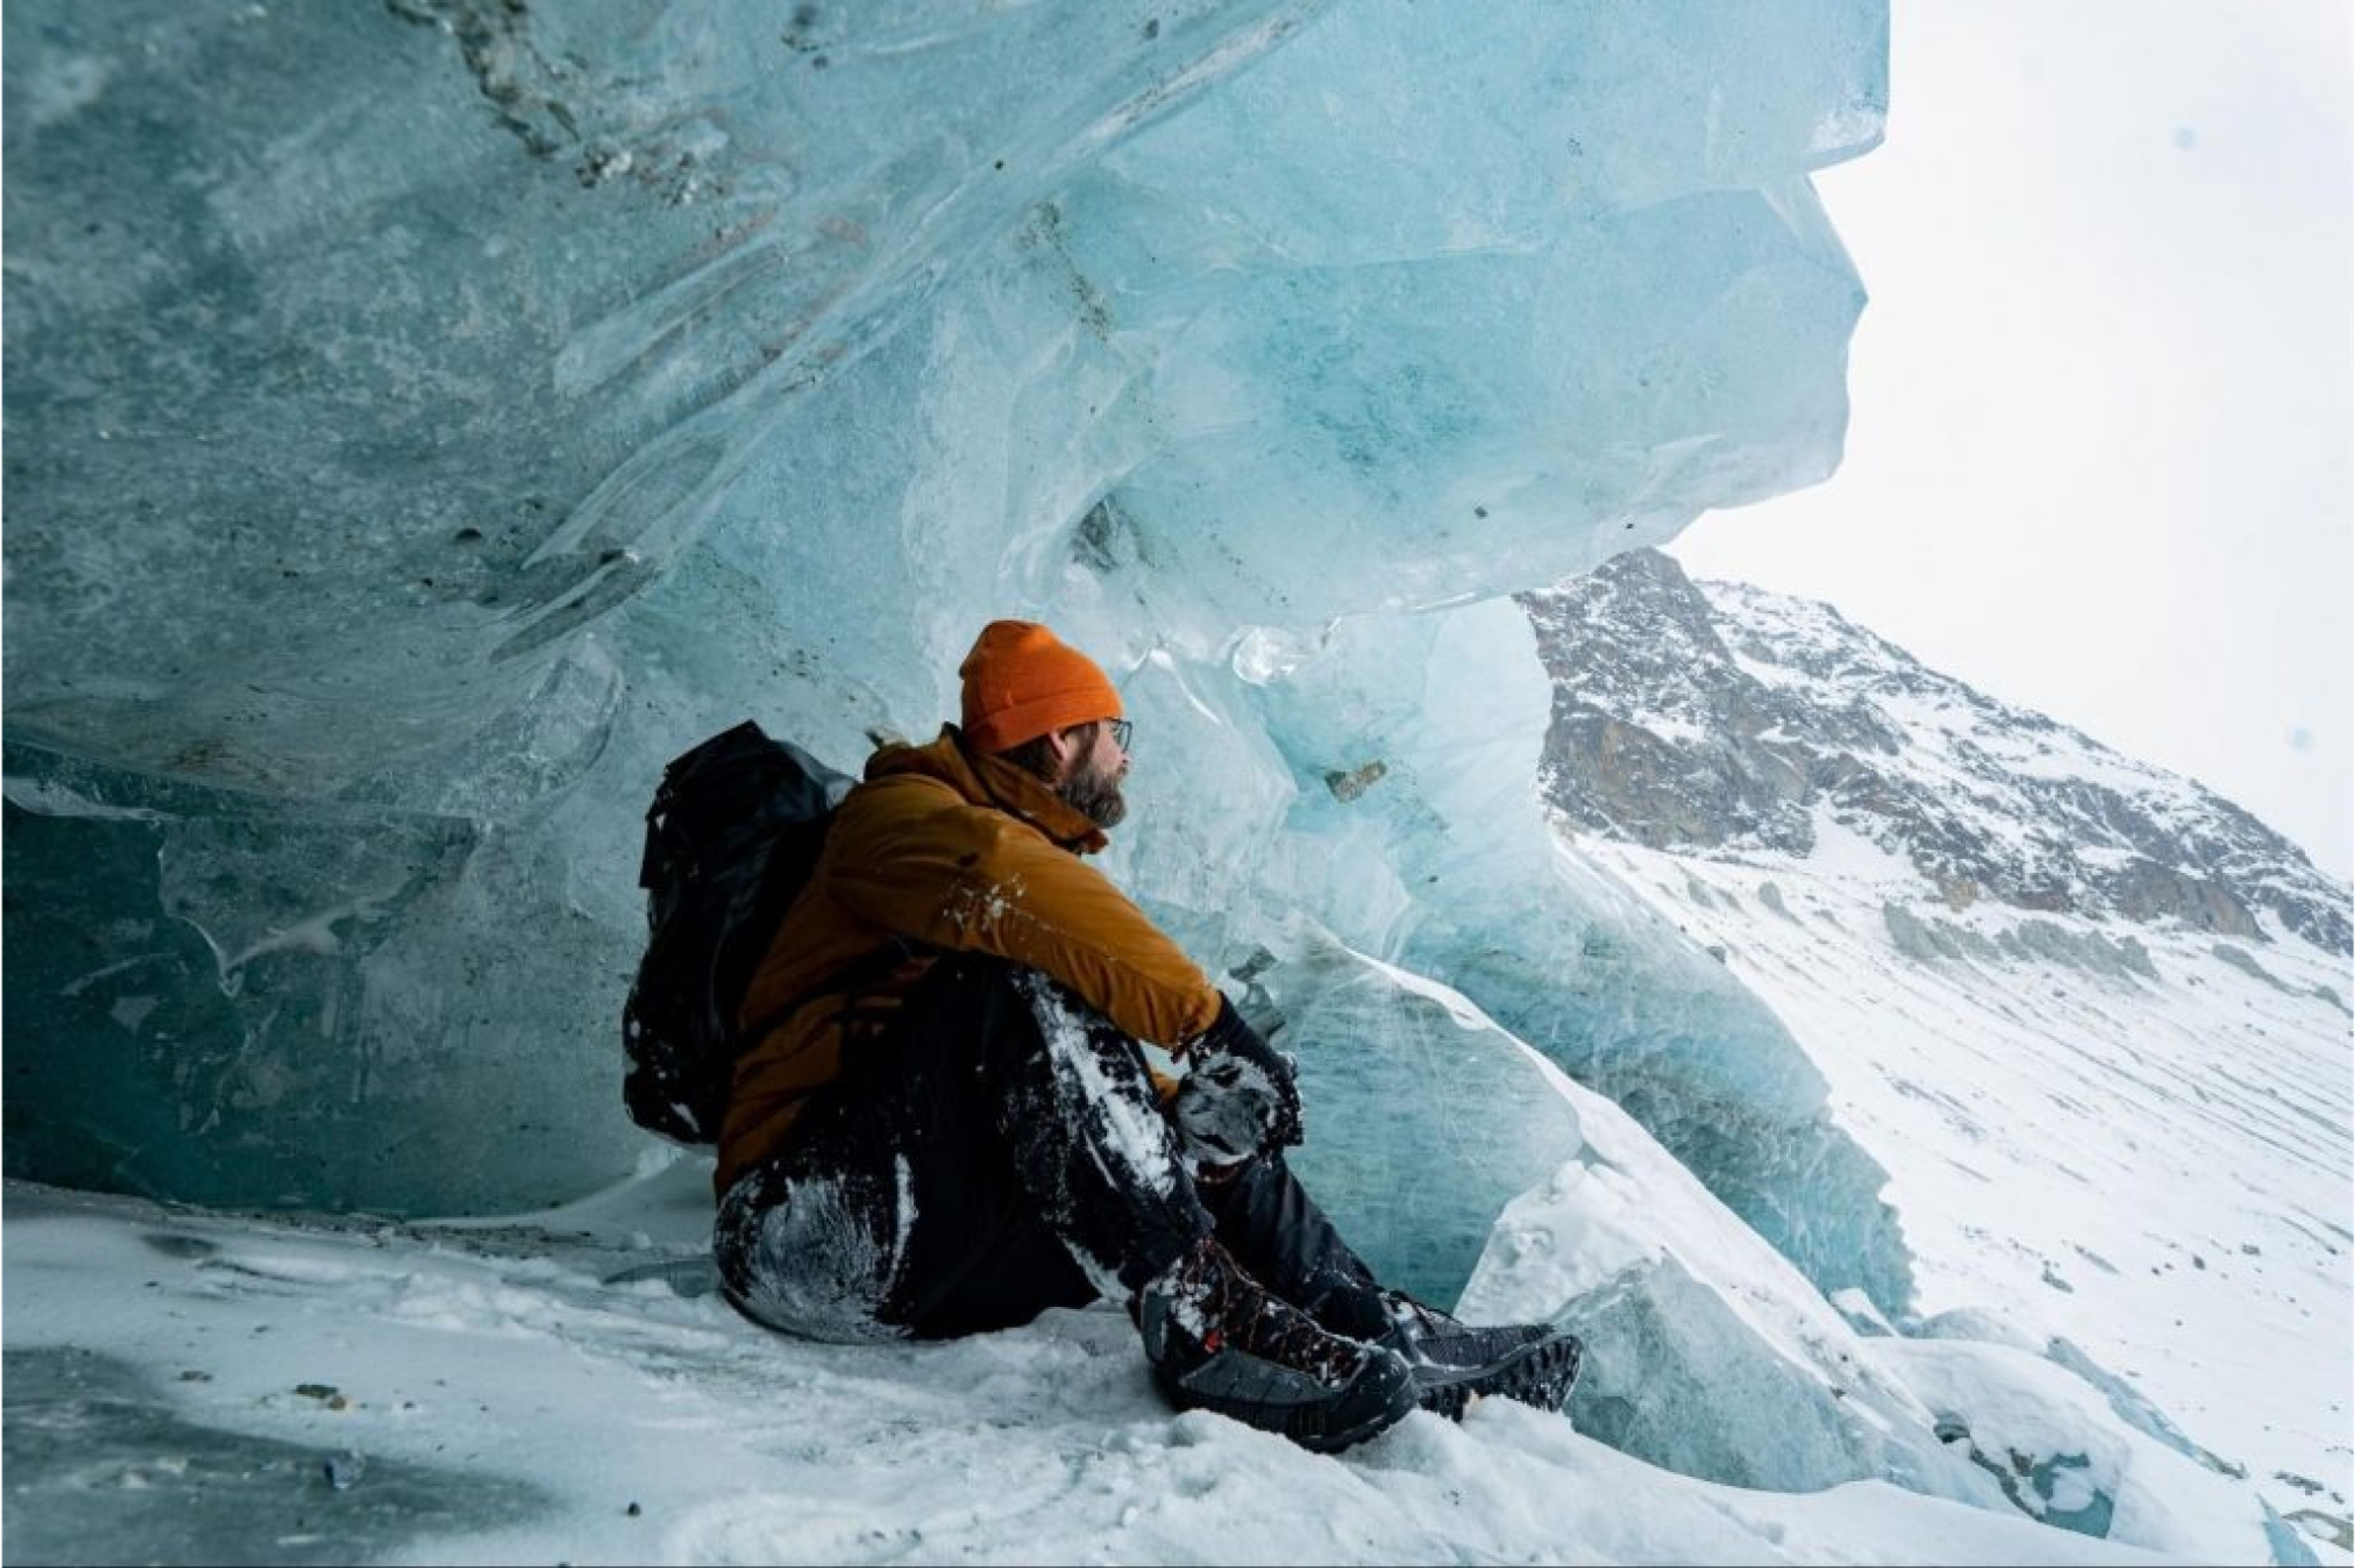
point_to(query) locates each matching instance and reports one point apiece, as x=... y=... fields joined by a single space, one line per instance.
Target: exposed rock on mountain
x=1701 y=717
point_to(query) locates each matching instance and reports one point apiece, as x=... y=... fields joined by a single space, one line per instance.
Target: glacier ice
x=427 y=419
x=2063 y=1454
x=1446 y=865
x=243 y=1011
x=1425 y=1119
x=183 y=1488
x=1678 y=1378
x=412 y=339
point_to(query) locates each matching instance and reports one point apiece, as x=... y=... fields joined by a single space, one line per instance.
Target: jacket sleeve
x=973 y=879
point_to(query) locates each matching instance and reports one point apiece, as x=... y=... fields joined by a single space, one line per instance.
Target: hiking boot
x=1218 y=1341
x=1455 y=1363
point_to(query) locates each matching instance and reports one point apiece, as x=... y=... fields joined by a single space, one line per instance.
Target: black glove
x=1240 y=1098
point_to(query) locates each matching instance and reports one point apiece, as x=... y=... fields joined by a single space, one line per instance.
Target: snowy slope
x=2153 y=1168
x=2092 y=1019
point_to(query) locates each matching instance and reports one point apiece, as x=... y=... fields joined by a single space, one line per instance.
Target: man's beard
x=1094 y=792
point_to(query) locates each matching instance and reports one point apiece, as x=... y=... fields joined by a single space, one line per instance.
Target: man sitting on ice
x=946 y=1124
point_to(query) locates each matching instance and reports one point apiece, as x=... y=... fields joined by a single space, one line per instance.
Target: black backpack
x=732 y=837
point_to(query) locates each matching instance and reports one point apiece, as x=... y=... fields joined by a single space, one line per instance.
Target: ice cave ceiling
x=423 y=419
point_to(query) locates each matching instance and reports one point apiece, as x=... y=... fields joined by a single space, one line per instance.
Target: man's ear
x=1063 y=745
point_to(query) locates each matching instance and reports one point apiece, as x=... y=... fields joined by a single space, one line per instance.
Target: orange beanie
x=1021 y=681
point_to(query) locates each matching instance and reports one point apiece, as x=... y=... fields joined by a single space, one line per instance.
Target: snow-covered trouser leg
x=997 y=1151
x=1094 y=1148
x=1271 y=1225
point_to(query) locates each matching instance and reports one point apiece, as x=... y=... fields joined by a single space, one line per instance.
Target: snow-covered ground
x=2124 y=1181
x=189 y=1386
x=197 y=1386
x=2153 y=1168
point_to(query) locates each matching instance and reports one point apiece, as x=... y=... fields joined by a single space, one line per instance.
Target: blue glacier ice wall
x=1443 y=862
x=425 y=418
x=1424 y=1122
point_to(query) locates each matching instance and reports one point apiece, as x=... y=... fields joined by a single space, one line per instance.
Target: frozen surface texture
x=1428 y=1119
x=324 y=1389
x=1426 y=848
x=425 y=418
x=489 y=1350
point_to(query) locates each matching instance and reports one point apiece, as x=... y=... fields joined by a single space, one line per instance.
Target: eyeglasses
x=1122 y=728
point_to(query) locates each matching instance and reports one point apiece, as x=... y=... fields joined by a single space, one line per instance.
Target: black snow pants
x=1000 y=1151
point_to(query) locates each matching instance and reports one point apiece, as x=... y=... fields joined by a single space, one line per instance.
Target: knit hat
x=1022 y=681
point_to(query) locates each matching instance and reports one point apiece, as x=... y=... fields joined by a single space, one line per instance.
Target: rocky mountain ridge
x=1718 y=717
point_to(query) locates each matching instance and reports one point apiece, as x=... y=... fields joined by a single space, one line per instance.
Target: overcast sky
x=2098 y=460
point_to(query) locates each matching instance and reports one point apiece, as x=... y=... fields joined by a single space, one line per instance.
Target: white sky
x=2098 y=460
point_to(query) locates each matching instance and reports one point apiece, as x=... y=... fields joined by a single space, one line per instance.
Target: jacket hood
x=992 y=782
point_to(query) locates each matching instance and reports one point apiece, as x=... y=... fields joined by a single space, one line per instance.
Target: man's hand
x=1240 y=1098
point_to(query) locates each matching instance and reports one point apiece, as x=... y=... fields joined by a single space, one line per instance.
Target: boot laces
x=1239 y=1312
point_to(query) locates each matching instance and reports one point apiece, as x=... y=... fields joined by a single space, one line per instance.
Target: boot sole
x=1384 y=1394
x=1542 y=1375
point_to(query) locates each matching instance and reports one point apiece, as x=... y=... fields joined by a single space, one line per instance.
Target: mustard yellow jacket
x=953 y=853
